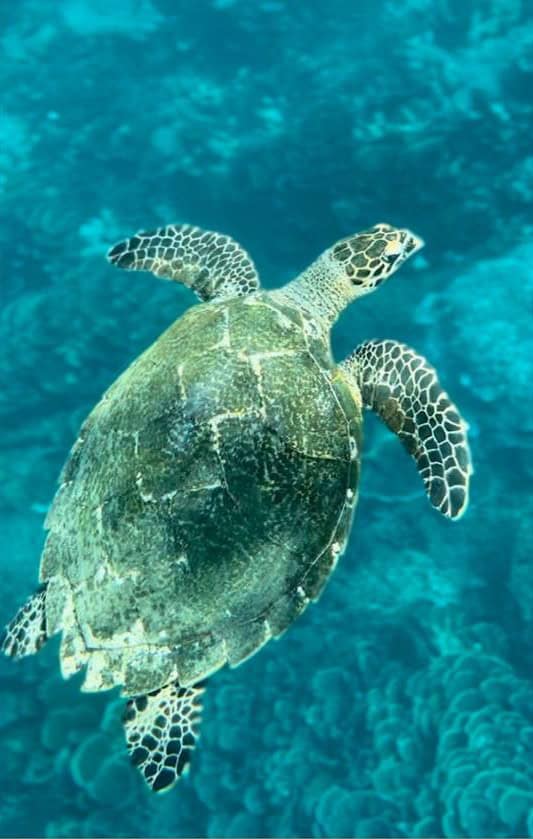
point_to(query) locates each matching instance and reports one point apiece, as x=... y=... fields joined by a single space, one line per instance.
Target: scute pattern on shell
x=181 y=530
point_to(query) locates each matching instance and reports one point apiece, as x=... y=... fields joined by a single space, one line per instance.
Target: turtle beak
x=412 y=243
x=397 y=250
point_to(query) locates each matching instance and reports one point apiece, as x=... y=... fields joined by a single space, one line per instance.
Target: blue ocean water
x=402 y=703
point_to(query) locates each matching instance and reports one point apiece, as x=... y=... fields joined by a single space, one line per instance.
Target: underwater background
x=402 y=703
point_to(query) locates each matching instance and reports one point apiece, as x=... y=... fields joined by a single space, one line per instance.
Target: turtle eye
x=390 y=258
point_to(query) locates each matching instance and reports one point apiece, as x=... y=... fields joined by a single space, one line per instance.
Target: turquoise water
x=402 y=703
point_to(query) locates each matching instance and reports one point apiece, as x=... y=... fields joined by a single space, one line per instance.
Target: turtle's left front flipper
x=161 y=732
x=405 y=391
x=212 y=264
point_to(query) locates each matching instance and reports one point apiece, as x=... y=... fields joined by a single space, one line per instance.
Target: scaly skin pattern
x=206 y=500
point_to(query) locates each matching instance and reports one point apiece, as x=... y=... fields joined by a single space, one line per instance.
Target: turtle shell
x=206 y=500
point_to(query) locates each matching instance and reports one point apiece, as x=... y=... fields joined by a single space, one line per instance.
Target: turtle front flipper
x=26 y=633
x=213 y=265
x=161 y=733
x=405 y=391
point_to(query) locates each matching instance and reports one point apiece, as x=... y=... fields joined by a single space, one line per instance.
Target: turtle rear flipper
x=212 y=264
x=405 y=391
x=161 y=733
x=26 y=633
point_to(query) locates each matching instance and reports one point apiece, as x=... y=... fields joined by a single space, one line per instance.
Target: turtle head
x=368 y=258
x=351 y=268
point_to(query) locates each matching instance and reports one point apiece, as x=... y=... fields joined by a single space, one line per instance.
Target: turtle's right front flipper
x=26 y=633
x=213 y=265
x=403 y=388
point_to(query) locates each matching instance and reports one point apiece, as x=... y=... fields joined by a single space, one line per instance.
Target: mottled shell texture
x=206 y=500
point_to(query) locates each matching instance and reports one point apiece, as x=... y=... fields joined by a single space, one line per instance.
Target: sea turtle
x=210 y=492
